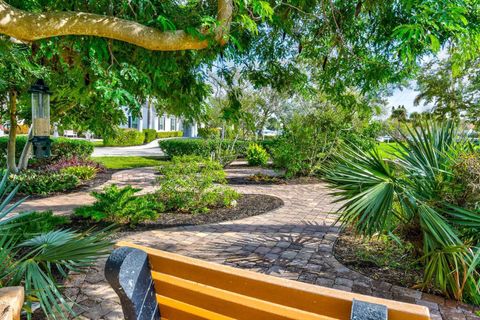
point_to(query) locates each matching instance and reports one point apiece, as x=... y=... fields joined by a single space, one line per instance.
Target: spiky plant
x=34 y=263
x=381 y=195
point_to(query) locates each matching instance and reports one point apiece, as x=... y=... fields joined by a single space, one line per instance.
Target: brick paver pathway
x=64 y=204
x=294 y=242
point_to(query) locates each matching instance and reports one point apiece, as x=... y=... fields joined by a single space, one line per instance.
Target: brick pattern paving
x=64 y=204
x=294 y=242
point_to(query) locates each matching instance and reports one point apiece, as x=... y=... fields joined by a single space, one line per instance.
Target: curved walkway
x=294 y=242
x=143 y=178
x=151 y=149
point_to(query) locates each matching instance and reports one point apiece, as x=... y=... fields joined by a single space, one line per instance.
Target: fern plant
x=121 y=205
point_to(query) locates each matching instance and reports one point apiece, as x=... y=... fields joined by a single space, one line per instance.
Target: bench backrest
x=187 y=288
x=69 y=132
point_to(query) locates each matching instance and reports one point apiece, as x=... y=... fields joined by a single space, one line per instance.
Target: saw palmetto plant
x=38 y=262
x=417 y=192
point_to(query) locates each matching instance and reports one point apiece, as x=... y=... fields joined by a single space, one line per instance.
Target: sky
x=405 y=97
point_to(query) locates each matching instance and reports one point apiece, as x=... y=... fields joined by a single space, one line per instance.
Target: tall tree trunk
x=12 y=135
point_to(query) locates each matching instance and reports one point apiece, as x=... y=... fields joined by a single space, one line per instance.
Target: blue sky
x=405 y=97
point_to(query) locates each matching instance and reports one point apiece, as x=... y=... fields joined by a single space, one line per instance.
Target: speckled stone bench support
x=128 y=272
x=362 y=310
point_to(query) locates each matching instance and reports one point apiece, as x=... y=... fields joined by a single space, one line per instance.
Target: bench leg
x=128 y=272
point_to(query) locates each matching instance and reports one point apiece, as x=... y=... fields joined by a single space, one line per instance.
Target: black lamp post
x=40 y=119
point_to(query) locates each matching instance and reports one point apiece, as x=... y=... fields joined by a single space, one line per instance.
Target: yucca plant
x=410 y=192
x=34 y=263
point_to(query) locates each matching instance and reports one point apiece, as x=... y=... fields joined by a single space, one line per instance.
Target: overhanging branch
x=28 y=26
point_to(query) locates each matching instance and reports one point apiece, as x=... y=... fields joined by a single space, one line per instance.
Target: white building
x=149 y=119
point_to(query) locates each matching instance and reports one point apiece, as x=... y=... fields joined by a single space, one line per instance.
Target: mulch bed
x=348 y=251
x=248 y=205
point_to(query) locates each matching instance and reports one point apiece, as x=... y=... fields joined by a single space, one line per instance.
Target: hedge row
x=125 y=138
x=150 y=135
x=169 y=134
x=61 y=148
x=133 y=137
x=199 y=147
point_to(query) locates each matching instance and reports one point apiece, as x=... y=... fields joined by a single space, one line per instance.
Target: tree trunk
x=12 y=135
x=31 y=26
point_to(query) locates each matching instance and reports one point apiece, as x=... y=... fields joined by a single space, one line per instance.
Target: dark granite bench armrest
x=128 y=272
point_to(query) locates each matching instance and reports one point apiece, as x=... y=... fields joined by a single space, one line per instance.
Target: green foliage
x=187 y=185
x=150 y=135
x=200 y=147
x=308 y=142
x=31 y=224
x=33 y=261
x=169 y=134
x=209 y=133
x=68 y=148
x=225 y=152
x=121 y=205
x=61 y=148
x=124 y=137
x=128 y=162
x=43 y=183
x=256 y=155
x=415 y=193
x=84 y=173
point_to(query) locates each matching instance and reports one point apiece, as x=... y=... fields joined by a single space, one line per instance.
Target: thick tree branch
x=27 y=26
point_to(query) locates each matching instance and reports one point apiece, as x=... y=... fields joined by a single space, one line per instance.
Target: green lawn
x=98 y=143
x=128 y=162
x=387 y=150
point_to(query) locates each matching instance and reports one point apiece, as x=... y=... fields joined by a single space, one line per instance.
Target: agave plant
x=37 y=262
x=380 y=196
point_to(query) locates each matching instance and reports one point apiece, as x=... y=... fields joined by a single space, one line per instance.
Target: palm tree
x=35 y=262
x=381 y=195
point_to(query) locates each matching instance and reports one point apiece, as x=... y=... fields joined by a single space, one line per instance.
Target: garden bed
x=379 y=258
x=100 y=179
x=248 y=205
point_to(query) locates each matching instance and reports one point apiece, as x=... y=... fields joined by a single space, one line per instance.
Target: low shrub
x=200 y=147
x=35 y=223
x=124 y=138
x=268 y=144
x=62 y=148
x=256 y=155
x=187 y=185
x=43 y=183
x=84 y=173
x=58 y=165
x=169 y=134
x=121 y=205
x=307 y=143
x=150 y=135
x=225 y=153
x=209 y=133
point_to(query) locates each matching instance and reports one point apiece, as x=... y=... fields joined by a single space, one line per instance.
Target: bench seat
x=187 y=288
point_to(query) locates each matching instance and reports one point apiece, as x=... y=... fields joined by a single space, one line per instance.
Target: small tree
x=17 y=73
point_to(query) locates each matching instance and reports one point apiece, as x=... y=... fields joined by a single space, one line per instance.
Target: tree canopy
x=336 y=47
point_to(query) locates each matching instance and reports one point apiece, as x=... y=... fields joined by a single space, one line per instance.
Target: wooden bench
x=154 y=284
